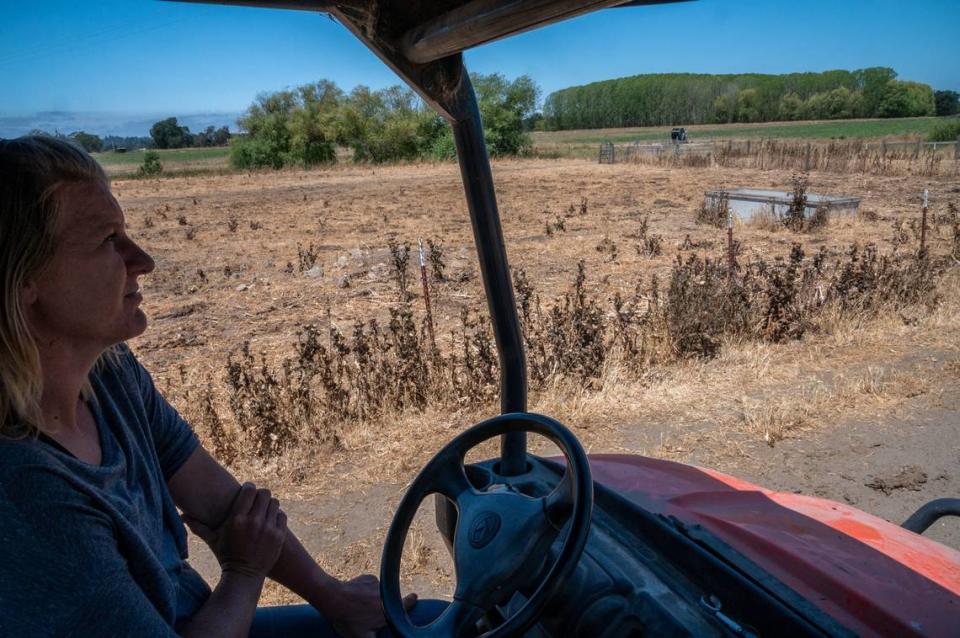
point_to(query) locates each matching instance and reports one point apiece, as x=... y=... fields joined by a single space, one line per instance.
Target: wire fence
x=839 y=156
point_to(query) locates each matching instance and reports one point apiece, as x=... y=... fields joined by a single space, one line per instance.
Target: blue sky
x=122 y=60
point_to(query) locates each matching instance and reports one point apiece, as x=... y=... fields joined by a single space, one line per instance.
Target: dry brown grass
x=308 y=400
x=766 y=392
x=765 y=221
x=835 y=156
x=231 y=284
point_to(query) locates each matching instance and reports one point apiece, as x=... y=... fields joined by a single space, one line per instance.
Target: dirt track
x=888 y=467
x=873 y=405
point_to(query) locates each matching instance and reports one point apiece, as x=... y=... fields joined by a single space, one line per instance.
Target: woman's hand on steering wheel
x=354 y=608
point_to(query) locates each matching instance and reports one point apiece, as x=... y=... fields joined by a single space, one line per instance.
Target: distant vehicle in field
x=678 y=135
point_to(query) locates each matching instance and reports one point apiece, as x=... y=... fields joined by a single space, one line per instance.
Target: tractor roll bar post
x=488 y=236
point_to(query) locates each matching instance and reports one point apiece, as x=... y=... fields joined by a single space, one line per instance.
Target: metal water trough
x=747 y=203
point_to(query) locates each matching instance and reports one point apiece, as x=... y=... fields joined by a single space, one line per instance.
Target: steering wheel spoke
x=451 y=481
x=558 y=504
x=460 y=618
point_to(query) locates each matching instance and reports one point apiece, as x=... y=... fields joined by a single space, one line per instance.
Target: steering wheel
x=502 y=537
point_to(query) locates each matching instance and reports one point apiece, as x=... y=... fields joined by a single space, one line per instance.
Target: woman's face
x=87 y=298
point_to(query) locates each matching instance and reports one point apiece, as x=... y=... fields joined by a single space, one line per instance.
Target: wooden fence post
x=426 y=295
x=806 y=162
x=731 y=259
x=606 y=153
x=923 y=226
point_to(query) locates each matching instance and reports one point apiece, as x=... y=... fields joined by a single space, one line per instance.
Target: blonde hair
x=32 y=171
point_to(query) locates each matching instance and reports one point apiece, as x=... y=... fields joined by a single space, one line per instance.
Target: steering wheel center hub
x=484 y=527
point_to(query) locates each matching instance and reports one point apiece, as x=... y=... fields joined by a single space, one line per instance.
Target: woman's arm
x=229 y=610
x=204 y=489
x=247 y=545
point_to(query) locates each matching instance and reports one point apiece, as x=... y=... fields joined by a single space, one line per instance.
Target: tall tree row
x=687 y=98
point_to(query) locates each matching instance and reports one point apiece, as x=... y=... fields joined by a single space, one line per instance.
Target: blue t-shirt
x=99 y=550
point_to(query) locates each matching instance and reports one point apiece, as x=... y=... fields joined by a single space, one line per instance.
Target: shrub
x=307 y=257
x=302 y=126
x=573 y=333
x=955 y=230
x=151 y=165
x=651 y=245
x=504 y=105
x=443 y=148
x=692 y=327
x=906 y=99
x=306 y=397
x=609 y=247
x=947 y=131
x=394 y=139
x=247 y=152
x=257 y=400
x=292 y=127
x=401 y=258
x=716 y=213
x=388 y=125
x=795 y=216
x=437 y=265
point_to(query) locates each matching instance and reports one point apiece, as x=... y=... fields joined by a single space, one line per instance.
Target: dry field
x=864 y=409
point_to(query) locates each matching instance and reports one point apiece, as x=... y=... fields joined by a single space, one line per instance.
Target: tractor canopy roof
x=422 y=39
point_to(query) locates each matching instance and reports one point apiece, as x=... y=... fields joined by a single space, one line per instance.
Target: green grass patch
x=170 y=156
x=834 y=129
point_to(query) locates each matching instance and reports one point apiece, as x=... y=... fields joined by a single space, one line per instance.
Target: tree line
x=163 y=134
x=304 y=126
x=93 y=143
x=167 y=133
x=687 y=98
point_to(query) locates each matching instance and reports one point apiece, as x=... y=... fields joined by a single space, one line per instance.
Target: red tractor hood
x=870 y=575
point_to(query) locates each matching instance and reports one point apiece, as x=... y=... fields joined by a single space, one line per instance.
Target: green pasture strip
x=172 y=156
x=173 y=173
x=850 y=129
x=557 y=151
